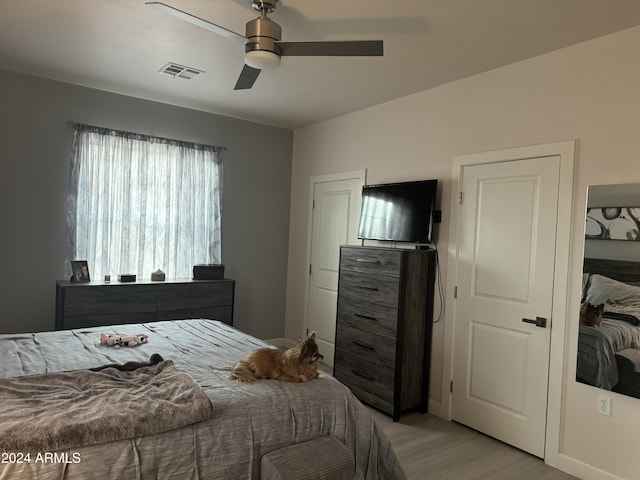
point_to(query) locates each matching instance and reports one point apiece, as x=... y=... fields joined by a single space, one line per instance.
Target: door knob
x=538 y=322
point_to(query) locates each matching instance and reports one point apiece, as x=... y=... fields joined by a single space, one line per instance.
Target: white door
x=335 y=216
x=505 y=276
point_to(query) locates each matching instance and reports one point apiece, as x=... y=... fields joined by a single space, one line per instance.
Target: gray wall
x=35 y=142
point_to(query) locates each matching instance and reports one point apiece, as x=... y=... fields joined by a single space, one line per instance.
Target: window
x=139 y=203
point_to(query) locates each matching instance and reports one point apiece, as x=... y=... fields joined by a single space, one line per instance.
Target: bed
x=609 y=355
x=248 y=420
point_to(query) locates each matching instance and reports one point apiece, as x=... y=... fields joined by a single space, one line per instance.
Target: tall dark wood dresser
x=384 y=325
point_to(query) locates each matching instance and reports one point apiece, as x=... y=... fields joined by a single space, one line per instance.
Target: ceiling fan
x=262 y=44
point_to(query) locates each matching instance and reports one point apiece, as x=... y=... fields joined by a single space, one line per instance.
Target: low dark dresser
x=96 y=303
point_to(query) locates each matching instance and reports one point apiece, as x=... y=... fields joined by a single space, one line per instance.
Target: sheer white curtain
x=138 y=203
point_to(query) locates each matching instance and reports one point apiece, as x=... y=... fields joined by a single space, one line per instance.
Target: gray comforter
x=597 y=347
x=249 y=420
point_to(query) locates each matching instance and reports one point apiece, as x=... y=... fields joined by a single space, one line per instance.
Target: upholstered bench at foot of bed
x=628 y=361
x=319 y=459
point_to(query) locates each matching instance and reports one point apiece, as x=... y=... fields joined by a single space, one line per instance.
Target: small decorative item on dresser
x=212 y=271
x=80 y=271
x=126 y=277
x=158 y=276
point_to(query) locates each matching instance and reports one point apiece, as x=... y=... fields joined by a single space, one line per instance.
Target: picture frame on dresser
x=80 y=271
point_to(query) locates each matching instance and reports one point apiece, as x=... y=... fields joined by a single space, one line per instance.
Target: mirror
x=609 y=336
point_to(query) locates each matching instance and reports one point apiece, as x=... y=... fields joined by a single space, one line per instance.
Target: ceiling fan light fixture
x=263 y=47
x=262 y=59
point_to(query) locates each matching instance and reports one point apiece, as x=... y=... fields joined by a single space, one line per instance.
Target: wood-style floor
x=430 y=448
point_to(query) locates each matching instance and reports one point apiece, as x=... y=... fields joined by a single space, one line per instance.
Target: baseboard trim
x=435 y=408
x=583 y=470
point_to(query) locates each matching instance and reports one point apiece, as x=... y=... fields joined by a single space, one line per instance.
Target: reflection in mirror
x=609 y=337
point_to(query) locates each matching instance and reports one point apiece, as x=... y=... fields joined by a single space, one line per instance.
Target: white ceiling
x=119 y=46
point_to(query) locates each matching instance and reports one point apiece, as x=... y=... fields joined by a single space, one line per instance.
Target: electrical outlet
x=604 y=404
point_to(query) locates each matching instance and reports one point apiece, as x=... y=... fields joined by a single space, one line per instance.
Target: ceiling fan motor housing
x=262 y=34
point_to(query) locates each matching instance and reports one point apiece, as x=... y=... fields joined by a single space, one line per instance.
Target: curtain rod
x=144 y=136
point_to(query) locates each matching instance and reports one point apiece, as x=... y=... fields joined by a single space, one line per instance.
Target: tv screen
x=402 y=212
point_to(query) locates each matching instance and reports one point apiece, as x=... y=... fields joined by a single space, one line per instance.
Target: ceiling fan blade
x=212 y=27
x=357 y=48
x=247 y=78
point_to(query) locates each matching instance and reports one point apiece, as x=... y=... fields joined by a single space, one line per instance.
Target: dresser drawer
x=376 y=289
x=178 y=296
x=385 y=406
x=375 y=350
x=109 y=300
x=369 y=260
x=366 y=362
x=367 y=316
x=365 y=380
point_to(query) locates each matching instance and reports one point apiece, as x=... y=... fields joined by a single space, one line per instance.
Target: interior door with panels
x=505 y=280
x=335 y=212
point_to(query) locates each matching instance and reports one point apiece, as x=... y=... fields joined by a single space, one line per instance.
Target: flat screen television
x=401 y=212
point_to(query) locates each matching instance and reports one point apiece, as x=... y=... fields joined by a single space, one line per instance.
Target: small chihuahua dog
x=297 y=364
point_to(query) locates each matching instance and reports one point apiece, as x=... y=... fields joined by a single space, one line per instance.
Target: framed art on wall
x=613 y=223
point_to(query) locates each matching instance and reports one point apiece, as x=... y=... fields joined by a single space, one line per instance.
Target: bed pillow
x=585 y=286
x=606 y=290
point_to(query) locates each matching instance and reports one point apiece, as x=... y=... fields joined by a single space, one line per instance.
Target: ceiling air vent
x=181 y=71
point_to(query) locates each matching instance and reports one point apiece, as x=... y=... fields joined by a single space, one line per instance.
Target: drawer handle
x=372 y=289
x=362 y=375
x=366 y=317
x=362 y=345
x=364 y=260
